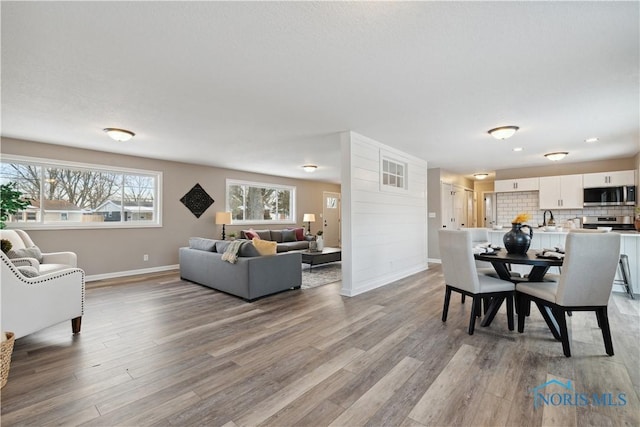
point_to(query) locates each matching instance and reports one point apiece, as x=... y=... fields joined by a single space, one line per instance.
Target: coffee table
x=325 y=256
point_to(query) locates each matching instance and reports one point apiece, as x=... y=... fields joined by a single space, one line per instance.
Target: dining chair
x=461 y=275
x=584 y=284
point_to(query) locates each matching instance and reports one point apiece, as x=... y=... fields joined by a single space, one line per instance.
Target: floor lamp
x=223 y=218
x=309 y=218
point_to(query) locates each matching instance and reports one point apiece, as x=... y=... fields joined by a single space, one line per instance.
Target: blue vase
x=517 y=241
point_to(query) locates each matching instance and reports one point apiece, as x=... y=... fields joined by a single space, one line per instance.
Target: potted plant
x=637 y=220
x=11 y=202
x=232 y=235
x=319 y=240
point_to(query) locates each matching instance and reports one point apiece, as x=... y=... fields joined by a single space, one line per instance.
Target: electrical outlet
x=145 y=257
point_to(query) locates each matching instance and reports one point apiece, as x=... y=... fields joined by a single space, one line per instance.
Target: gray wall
x=105 y=251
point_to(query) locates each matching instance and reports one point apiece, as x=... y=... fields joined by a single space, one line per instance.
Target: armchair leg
x=447 y=298
x=75 y=324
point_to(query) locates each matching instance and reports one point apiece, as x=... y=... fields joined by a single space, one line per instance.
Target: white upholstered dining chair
x=461 y=275
x=584 y=284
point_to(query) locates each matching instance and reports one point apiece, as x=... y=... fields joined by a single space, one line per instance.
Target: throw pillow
x=32 y=252
x=299 y=234
x=28 y=271
x=250 y=234
x=288 y=236
x=264 y=234
x=248 y=250
x=202 y=244
x=265 y=247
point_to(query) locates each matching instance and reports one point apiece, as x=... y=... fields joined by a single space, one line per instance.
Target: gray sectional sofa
x=286 y=242
x=252 y=276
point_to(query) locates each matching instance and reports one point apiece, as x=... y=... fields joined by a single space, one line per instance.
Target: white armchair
x=31 y=304
x=51 y=262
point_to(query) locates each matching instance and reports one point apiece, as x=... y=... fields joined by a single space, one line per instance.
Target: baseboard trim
x=386 y=280
x=116 y=274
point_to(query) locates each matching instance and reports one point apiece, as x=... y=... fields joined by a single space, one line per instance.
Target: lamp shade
x=223 y=218
x=309 y=218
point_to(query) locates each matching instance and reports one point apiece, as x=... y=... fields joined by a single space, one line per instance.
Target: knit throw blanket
x=231 y=254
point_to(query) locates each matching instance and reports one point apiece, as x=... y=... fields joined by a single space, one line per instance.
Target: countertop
x=563 y=232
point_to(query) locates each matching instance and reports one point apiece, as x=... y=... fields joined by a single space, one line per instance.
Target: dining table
x=501 y=260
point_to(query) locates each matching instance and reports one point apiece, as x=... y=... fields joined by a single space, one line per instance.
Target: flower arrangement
x=521 y=217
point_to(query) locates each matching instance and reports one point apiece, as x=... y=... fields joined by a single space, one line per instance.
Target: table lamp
x=223 y=218
x=309 y=218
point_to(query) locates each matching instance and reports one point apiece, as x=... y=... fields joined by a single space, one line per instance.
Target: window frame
x=292 y=202
x=405 y=177
x=54 y=163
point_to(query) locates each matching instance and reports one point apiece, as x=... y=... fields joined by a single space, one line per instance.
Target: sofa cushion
x=276 y=236
x=264 y=234
x=288 y=236
x=202 y=244
x=221 y=246
x=265 y=247
x=31 y=252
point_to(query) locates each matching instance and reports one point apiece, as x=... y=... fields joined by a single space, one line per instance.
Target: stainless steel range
x=615 y=222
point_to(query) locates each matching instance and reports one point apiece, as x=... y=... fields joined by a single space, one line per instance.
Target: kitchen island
x=629 y=245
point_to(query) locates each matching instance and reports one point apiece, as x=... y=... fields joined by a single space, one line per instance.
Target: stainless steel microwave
x=610 y=196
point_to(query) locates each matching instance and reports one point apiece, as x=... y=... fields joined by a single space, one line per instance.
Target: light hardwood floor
x=160 y=351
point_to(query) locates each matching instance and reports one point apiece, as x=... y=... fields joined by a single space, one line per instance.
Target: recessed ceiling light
x=554 y=157
x=309 y=168
x=518 y=148
x=503 y=132
x=119 y=135
x=591 y=140
x=480 y=175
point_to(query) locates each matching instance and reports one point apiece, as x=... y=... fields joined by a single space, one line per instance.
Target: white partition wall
x=384 y=214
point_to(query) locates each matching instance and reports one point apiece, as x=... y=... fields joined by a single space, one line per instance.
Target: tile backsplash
x=508 y=205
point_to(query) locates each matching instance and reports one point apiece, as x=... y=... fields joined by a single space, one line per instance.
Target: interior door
x=331 y=219
x=490 y=216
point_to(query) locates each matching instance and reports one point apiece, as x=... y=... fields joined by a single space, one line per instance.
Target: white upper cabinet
x=522 y=184
x=561 y=192
x=609 y=179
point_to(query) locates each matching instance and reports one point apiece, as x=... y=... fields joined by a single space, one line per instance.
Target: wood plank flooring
x=155 y=350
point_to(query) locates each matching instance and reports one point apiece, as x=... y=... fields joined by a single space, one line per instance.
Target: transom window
x=78 y=195
x=258 y=203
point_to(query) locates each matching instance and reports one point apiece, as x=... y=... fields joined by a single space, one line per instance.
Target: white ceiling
x=268 y=86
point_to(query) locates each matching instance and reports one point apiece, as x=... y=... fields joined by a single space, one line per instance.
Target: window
x=77 y=195
x=393 y=174
x=256 y=203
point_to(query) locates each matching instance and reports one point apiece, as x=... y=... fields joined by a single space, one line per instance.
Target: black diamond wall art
x=197 y=200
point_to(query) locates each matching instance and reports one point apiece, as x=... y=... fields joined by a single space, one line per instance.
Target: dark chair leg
x=522 y=302
x=475 y=308
x=564 y=333
x=598 y=319
x=510 y=312
x=606 y=332
x=447 y=298
x=76 y=323
x=462 y=297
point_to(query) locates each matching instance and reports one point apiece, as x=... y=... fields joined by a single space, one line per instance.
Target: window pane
x=139 y=198
x=259 y=203
x=27 y=179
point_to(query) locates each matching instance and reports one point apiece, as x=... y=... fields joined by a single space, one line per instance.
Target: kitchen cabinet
x=561 y=192
x=609 y=179
x=510 y=185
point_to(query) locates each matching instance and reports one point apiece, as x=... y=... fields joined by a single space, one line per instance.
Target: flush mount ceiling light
x=591 y=140
x=120 y=135
x=554 y=157
x=503 y=132
x=480 y=175
x=518 y=149
x=309 y=168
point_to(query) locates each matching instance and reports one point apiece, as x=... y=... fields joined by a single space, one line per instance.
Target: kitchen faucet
x=544 y=219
